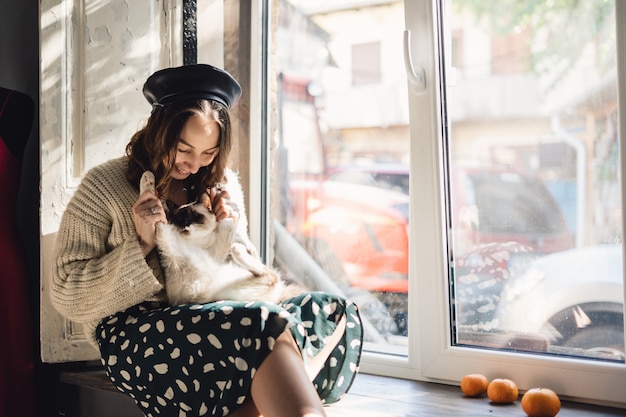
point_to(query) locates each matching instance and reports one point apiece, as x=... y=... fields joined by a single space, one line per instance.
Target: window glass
x=533 y=174
x=366 y=63
x=532 y=168
x=342 y=156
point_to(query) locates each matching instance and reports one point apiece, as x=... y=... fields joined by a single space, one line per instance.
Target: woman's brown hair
x=154 y=147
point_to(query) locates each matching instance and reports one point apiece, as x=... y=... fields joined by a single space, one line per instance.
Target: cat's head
x=194 y=218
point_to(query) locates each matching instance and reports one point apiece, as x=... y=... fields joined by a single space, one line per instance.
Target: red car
x=361 y=228
x=358 y=217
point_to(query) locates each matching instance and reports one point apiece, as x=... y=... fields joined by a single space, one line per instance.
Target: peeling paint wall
x=95 y=57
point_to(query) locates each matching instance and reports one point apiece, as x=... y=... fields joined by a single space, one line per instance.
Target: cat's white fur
x=202 y=263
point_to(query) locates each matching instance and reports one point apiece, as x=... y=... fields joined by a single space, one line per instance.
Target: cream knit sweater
x=99 y=269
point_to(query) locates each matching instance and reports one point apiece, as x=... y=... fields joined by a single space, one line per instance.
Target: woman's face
x=198 y=146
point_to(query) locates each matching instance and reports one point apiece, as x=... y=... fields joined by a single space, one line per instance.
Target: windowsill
x=379 y=396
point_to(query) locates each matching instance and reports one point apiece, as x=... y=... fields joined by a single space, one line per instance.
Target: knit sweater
x=99 y=268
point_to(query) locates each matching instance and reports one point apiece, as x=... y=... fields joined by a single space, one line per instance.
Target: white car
x=574 y=298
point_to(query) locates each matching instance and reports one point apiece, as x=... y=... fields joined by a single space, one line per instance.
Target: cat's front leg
x=169 y=243
x=225 y=232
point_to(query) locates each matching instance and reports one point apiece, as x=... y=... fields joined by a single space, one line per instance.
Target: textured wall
x=95 y=57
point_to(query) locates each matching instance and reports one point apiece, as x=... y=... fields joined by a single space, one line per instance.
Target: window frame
x=431 y=356
x=431 y=351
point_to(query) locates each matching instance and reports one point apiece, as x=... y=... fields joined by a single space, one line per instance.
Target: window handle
x=416 y=75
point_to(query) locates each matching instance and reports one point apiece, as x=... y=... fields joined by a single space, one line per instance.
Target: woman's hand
x=221 y=204
x=147 y=211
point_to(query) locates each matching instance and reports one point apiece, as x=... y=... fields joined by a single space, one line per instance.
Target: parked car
x=497 y=205
x=574 y=299
x=354 y=222
x=358 y=232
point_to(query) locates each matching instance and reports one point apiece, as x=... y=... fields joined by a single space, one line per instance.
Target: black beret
x=191 y=82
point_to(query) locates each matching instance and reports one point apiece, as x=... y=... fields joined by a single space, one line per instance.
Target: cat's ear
x=205 y=200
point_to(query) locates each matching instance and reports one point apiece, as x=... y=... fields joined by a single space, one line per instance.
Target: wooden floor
x=376 y=396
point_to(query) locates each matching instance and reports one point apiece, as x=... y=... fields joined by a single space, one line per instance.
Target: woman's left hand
x=222 y=206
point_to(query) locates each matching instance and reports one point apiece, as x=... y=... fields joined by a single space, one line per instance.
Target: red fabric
x=16 y=345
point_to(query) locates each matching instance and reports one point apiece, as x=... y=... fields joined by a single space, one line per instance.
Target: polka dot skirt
x=199 y=359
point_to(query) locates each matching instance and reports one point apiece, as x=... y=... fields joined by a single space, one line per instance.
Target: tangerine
x=474 y=385
x=541 y=402
x=502 y=391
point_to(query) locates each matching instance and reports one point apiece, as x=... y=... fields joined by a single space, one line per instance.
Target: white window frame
x=431 y=356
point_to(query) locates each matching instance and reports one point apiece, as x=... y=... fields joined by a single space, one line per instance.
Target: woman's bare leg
x=281 y=386
x=249 y=408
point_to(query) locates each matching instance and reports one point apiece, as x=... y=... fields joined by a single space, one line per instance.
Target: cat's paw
x=226 y=228
x=229 y=222
x=147 y=182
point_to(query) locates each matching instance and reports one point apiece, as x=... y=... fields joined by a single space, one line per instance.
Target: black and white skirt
x=199 y=359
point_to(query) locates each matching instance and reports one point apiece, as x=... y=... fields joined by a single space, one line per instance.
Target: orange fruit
x=541 y=402
x=474 y=385
x=502 y=391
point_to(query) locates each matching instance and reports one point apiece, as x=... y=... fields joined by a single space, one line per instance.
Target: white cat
x=202 y=263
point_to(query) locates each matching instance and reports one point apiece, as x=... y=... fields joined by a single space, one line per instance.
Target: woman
x=218 y=359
